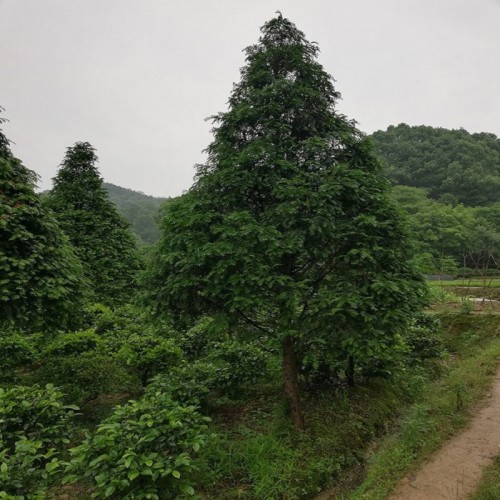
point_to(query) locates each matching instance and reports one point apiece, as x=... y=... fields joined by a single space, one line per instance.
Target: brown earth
x=453 y=472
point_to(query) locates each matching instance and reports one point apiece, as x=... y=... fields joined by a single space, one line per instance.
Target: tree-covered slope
x=454 y=166
x=140 y=209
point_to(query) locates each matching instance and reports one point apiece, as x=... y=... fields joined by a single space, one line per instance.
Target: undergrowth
x=258 y=455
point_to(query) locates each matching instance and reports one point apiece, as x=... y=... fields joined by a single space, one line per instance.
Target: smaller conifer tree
x=100 y=236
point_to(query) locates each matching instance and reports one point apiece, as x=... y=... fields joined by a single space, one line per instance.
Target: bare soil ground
x=454 y=471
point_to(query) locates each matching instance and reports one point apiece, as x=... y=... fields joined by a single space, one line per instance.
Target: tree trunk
x=350 y=371
x=291 y=379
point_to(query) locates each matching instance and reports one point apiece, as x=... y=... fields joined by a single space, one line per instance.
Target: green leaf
x=132 y=474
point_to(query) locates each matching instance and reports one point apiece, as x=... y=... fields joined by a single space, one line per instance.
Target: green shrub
x=35 y=413
x=239 y=363
x=189 y=383
x=145 y=447
x=15 y=351
x=34 y=423
x=86 y=376
x=93 y=314
x=423 y=340
x=149 y=355
x=69 y=344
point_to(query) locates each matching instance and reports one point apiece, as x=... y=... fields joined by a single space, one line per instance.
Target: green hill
x=141 y=210
x=454 y=166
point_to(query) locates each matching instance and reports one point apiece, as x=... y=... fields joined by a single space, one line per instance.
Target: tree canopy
x=289 y=227
x=100 y=236
x=40 y=276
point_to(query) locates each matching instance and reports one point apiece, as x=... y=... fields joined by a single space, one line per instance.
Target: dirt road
x=453 y=472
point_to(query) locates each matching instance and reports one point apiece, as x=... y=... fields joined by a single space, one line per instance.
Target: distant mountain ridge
x=141 y=210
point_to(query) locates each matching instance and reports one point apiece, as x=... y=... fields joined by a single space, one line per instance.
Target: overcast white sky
x=137 y=78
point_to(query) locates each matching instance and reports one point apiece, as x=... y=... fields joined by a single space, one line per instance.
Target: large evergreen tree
x=100 y=236
x=289 y=227
x=40 y=277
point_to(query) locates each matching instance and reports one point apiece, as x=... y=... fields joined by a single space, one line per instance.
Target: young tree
x=100 y=236
x=40 y=277
x=289 y=227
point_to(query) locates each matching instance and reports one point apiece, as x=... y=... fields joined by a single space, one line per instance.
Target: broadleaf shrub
x=422 y=339
x=34 y=426
x=86 y=376
x=15 y=350
x=144 y=448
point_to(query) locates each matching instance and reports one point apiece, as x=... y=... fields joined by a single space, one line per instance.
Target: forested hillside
x=448 y=183
x=453 y=165
x=140 y=209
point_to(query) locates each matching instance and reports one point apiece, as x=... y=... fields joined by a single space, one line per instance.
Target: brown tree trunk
x=291 y=377
x=350 y=371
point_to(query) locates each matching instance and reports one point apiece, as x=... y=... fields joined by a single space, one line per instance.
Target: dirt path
x=453 y=472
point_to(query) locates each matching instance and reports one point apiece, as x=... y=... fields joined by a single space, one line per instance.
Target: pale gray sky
x=137 y=78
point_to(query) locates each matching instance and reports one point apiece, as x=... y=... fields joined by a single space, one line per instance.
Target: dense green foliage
x=449 y=237
x=100 y=236
x=142 y=450
x=289 y=259
x=34 y=423
x=141 y=211
x=454 y=165
x=40 y=278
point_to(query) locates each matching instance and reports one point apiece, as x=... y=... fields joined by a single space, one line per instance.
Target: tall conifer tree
x=41 y=283
x=289 y=227
x=100 y=236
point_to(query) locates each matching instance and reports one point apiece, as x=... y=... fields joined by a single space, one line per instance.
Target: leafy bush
x=15 y=350
x=125 y=319
x=189 y=383
x=86 y=376
x=93 y=314
x=239 y=363
x=145 y=447
x=72 y=344
x=33 y=424
x=149 y=354
x=35 y=413
x=422 y=339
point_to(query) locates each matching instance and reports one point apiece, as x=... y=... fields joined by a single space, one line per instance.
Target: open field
x=469 y=282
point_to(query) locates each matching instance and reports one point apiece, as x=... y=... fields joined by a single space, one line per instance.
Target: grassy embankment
x=445 y=407
x=256 y=455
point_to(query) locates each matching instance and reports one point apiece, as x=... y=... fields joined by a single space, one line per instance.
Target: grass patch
x=445 y=406
x=263 y=458
x=483 y=283
x=489 y=487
